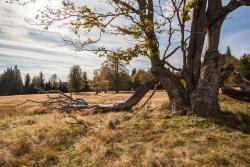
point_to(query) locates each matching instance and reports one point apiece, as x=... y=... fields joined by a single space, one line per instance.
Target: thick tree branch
x=230 y=7
x=126 y=5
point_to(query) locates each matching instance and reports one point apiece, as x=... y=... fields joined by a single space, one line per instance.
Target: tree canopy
x=11 y=82
x=75 y=79
x=244 y=65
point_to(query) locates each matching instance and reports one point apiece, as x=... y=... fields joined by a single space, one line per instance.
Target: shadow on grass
x=237 y=121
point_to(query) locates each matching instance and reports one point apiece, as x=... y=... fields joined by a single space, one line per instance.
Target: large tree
x=75 y=79
x=100 y=81
x=11 y=82
x=114 y=70
x=244 y=65
x=144 y=22
x=140 y=77
x=41 y=80
x=85 y=82
x=54 y=81
x=27 y=83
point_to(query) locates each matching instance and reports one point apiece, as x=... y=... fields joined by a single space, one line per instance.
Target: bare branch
x=172 y=67
x=171 y=53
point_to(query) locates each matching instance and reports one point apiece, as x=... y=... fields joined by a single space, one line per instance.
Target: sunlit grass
x=149 y=138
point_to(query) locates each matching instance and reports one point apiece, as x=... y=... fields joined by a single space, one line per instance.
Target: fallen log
x=67 y=103
x=225 y=73
x=239 y=94
x=243 y=83
x=139 y=93
x=240 y=79
x=243 y=92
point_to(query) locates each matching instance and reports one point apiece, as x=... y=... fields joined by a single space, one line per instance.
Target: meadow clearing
x=152 y=137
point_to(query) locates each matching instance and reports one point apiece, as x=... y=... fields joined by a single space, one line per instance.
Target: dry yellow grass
x=152 y=137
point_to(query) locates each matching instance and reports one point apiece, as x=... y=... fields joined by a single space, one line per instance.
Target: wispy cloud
x=34 y=49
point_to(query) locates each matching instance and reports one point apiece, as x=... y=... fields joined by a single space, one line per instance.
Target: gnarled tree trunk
x=204 y=99
x=178 y=97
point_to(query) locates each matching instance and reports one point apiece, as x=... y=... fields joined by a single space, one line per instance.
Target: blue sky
x=34 y=49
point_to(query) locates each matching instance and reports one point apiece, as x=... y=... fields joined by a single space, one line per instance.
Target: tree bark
x=243 y=82
x=139 y=93
x=178 y=97
x=196 y=43
x=243 y=93
x=225 y=73
x=204 y=99
x=239 y=94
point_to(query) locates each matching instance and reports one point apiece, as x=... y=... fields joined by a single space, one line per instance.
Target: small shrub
x=21 y=148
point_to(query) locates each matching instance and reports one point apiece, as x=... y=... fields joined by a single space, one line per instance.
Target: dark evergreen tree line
x=11 y=83
x=112 y=76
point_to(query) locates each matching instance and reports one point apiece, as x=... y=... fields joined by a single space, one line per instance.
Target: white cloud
x=35 y=49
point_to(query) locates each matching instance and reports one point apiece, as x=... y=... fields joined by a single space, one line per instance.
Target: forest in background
x=112 y=76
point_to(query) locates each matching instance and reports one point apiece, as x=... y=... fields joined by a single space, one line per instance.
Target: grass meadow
x=151 y=137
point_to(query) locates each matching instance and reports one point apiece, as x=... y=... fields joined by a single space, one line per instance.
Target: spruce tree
x=27 y=83
x=41 y=80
